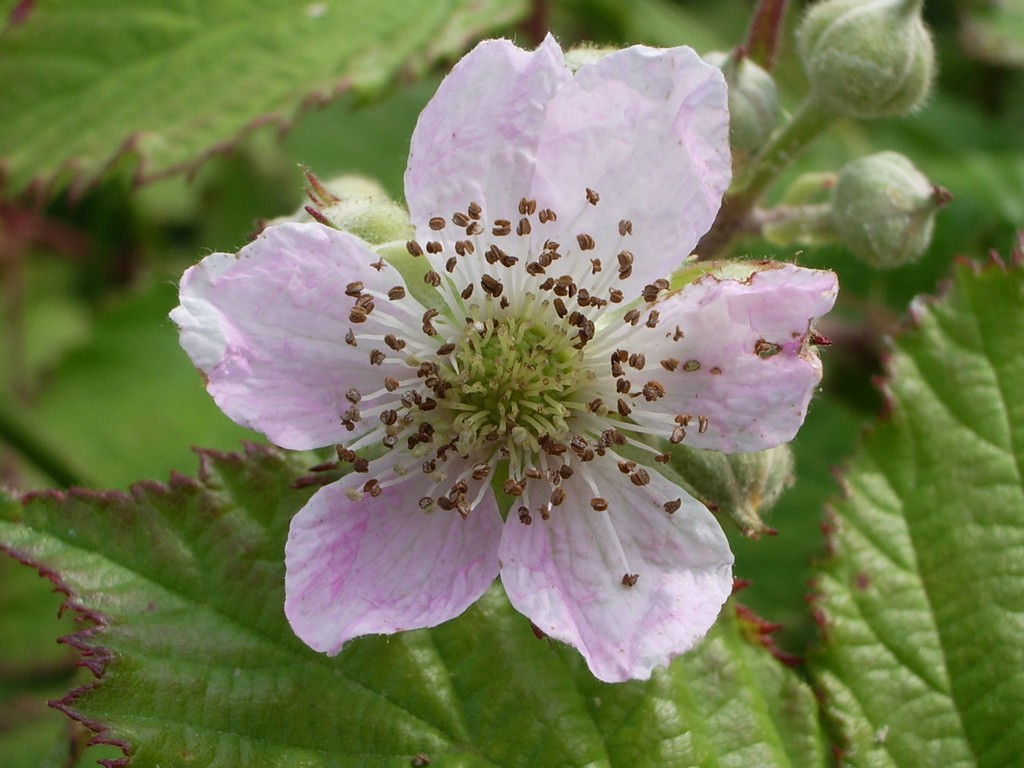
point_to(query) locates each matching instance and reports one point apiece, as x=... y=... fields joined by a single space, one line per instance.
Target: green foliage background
x=918 y=589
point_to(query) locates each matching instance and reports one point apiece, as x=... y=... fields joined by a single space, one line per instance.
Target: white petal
x=565 y=573
x=381 y=565
x=267 y=328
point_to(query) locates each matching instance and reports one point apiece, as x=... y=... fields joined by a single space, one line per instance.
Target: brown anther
x=595 y=405
x=353 y=396
x=616 y=367
x=507 y=260
x=428 y=404
x=630 y=579
x=678 y=334
x=557 y=496
x=445 y=503
x=598 y=504
x=474 y=210
x=502 y=227
x=344 y=454
x=650 y=293
x=592 y=196
x=677 y=435
x=632 y=316
x=524 y=516
x=354 y=289
x=360 y=465
x=436 y=223
x=432 y=278
x=653 y=318
x=673 y=506
x=373 y=488
x=394 y=342
x=414 y=248
x=426 y=503
x=545 y=511
x=357 y=315
x=391 y=384
x=459 y=219
x=702 y=424
x=389 y=416
x=622 y=386
x=377 y=357
x=523 y=227
x=625 y=227
x=559 y=306
x=586 y=242
x=491 y=286
x=683 y=419
x=565 y=471
x=625 y=466
x=653 y=390
x=396 y=293
x=638 y=360
x=534 y=269
x=715 y=371
x=512 y=487
x=350 y=338
x=467 y=291
x=474 y=228
x=527 y=207
x=545 y=215
x=555 y=449
x=615 y=295
x=670 y=364
x=446 y=349
x=548 y=284
x=640 y=477
x=449 y=266
x=434 y=247
x=481 y=470
x=533 y=473
x=366 y=302
x=428 y=326
x=623 y=408
x=663 y=458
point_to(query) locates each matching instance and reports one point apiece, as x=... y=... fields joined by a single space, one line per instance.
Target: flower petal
x=648 y=130
x=566 y=573
x=381 y=565
x=476 y=139
x=267 y=329
x=735 y=357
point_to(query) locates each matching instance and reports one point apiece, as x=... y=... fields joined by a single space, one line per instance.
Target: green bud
x=753 y=102
x=741 y=486
x=579 y=56
x=867 y=59
x=884 y=209
x=362 y=207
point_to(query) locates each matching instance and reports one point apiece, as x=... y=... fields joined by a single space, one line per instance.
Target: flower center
x=515 y=381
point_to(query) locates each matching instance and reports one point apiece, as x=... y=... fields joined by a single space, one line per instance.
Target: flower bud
x=753 y=102
x=884 y=209
x=353 y=204
x=579 y=56
x=867 y=59
x=741 y=486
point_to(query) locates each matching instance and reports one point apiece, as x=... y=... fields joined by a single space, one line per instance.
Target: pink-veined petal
x=566 y=573
x=735 y=357
x=267 y=329
x=381 y=565
x=648 y=131
x=476 y=140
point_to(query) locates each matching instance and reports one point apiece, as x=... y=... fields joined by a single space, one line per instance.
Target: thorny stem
x=734 y=217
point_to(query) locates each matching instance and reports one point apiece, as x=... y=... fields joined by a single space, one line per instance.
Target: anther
x=350 y=338
x=377 y=357
x=436 y=223
x=653 y=390
x=615 y=295
x=428 y=326
x=414 y=248
x=446 y=349
x=354 y=289
x=586 y=242
x=474 y=229
x=557 y=496
x=670 y=364
x=373 y=488
x=673 y=506
x=353 y=396
x=396 y=293
x=524 y=516
x=502 y=227
x=449 y=266
x=625 y=227
x=391 y=384
x=546 y=215
x=653 y=318
x=638 y=360
x=491 y=286
x=592 y=196
x=512 y=487
x=677 y=435
x=475 y=210
x=598 y=504
x=702 y=424
x=432 y=278
x=559 y=306
x=640 y=477
x=523 y=228
x=434 y=247
x=527 y=207
x=623 y=408
x=630 y=579
x=595 y=266
x=632 y=316
x=622 y=386
x=357 y=315
x=394 y=342
x=460 y=219
x=467 y=291
x=388 y=417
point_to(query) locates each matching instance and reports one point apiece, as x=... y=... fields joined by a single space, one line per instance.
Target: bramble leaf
x=922 y=602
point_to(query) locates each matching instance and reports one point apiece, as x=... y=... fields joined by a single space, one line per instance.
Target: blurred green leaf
x=171 y=82
x=199 y=666
x=994 y=32
x=922 y=602
x=128 y=404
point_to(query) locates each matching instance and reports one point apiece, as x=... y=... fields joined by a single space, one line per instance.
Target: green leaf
x=172 y=80
x=197 y=665
x=994 y=32
x=922 y=603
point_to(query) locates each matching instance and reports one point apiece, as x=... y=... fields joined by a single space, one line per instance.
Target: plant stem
x=807 y=122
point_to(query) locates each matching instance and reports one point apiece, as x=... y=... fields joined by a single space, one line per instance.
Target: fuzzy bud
x=867 y=59
x=580 y=56
x=884 y=209
x=753 y=102
x=356 y=205
x=741 y=486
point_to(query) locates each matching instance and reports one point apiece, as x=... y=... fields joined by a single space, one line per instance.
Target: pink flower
x=539 y=375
